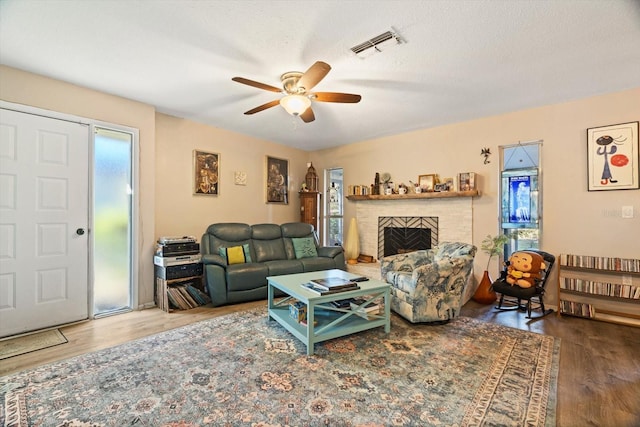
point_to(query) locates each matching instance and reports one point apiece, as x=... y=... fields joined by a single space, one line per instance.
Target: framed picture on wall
x=612 y=157
x=206 y=167
x=277 y=180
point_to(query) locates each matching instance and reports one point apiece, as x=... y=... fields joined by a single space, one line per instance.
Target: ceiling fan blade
x=336 y=97
x=313 y=75
x=308 y=115
x=256 y=84
x=263 y=107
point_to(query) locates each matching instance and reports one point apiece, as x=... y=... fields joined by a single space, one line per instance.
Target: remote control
x=360 y=279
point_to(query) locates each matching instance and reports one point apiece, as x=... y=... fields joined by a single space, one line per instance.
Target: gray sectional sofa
x=237 y=258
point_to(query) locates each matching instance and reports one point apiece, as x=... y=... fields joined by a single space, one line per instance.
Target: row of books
x=358 y=190
x=576 y=309
x=598 y=288
x=184 y=297
x=601 y=263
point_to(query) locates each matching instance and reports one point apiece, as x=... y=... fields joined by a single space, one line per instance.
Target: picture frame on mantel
x=206 y=172
x=277 y=180
x=613 y=157
x=466 y=181
x=427 y=182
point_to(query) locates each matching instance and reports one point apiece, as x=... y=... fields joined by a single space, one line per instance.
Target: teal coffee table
x=325 y=321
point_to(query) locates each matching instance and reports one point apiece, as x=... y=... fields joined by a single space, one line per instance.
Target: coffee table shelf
x=332 y=322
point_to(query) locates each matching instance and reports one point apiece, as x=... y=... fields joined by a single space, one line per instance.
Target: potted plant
x=492 y=246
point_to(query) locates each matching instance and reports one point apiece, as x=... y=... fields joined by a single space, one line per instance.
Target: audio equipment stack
x=178 y=271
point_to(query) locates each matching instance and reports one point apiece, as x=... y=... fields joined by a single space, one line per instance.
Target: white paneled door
x=44 y=190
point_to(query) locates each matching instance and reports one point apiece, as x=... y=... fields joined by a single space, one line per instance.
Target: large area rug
x=243 y=370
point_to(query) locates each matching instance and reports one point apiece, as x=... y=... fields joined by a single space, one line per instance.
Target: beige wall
x=179 y=212
x=36 y=91
x=574 y=220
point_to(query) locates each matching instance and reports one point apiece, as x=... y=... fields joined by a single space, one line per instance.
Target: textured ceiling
x=462 y=59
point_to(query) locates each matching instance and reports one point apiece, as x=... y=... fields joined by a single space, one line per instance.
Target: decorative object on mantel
x=311 y=178
x=352 y=243
x=486 y=152
x=466 y=181
x=492 y=246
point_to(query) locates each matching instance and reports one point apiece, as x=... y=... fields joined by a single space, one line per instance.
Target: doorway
x=44 y=218
x=334 y=212
x=68 y=210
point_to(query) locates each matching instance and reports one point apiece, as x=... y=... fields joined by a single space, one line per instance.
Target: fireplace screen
x=406 y=234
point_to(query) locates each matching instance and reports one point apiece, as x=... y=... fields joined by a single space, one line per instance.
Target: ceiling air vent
x=377 y=43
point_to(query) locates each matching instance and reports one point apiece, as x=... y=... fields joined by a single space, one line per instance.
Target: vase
x=485 y=293
x=352 y=243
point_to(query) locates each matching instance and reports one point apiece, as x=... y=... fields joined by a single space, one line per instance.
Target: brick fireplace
x=453 y=219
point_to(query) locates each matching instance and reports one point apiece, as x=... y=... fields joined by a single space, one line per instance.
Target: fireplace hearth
x=406 y=234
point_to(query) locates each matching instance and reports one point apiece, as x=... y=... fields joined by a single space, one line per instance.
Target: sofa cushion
x=235 y=254
x=288 y=266
x=305 y=247
x=241 y=277
x=267 y=242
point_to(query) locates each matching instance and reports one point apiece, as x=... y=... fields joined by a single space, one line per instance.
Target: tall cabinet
x=310 y=208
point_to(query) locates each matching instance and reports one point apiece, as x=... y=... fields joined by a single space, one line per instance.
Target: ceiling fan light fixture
x=295 y=104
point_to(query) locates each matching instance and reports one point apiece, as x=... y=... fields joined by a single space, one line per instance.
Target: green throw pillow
x=305 y=247
x=236 y=254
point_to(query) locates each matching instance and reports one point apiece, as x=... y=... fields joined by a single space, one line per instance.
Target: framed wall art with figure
x=277 y=180
x=206 y=168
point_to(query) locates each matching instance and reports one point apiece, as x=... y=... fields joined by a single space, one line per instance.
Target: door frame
x=135 y=205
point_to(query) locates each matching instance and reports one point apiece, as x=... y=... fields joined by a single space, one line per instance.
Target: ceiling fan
x=297 y=89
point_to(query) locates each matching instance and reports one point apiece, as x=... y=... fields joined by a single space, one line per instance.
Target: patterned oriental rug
x=242 y=370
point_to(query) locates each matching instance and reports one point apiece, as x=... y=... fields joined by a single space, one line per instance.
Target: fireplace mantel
x=427 y=195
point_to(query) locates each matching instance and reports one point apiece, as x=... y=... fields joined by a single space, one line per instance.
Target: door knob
x=80 y=231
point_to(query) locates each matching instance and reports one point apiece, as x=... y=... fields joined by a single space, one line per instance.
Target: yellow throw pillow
x=236 y=254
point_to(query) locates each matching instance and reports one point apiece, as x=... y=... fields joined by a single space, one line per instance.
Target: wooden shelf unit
x=427 y=195
x=599 y=288
x=162 y=286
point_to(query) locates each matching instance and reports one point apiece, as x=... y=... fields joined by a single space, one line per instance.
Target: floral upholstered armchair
x=428 y=285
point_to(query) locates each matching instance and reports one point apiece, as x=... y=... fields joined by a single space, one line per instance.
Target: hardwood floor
x=599 y=377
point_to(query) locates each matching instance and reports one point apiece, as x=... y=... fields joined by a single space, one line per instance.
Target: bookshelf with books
x=600 y=288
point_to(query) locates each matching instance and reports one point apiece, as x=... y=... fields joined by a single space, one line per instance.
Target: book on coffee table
x=334 y=283
x=322 y=291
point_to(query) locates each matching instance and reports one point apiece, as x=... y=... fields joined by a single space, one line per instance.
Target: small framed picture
x=466 y=181
x=206 y=167
x=612 y=157
x=277 y=180
x=441 y=187
x=427 y=182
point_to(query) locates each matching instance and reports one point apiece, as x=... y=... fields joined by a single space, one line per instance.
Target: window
x=112 y=220
x=520 y=187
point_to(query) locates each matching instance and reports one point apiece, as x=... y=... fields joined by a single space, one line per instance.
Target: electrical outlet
x=627 y=212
